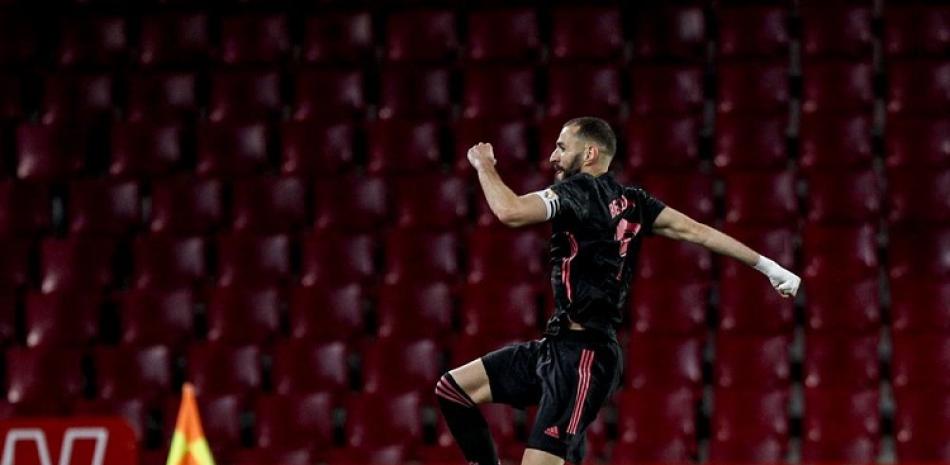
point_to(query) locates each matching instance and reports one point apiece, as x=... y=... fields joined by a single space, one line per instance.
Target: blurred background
x=270 y=199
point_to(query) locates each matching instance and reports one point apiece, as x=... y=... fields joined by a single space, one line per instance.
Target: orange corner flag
x=189 y=446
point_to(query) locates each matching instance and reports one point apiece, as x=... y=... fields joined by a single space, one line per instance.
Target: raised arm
x=511 y=209
x=675 y=225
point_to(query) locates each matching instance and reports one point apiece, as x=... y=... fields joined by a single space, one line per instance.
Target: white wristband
x=766 y=266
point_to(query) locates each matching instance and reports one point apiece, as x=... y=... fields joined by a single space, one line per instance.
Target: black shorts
x=569 y=377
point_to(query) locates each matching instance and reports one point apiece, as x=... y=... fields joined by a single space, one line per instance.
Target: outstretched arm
x=511 y=209
x=675 y=225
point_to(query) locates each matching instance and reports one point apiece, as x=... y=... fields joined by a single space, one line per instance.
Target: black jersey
x=597 y=228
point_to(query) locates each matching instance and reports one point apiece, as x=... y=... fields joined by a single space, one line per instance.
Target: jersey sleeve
x=650 y=207
x=573 y=196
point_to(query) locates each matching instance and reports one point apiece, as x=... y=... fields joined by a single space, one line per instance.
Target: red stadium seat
x=232 y=149
x=502 y=310
x=145 y=149
x=152 y=316
x=656 y=426
x=43 y=380
x=670 y=31
x=667 y=89
x=391 y=454
x=752 y=362
x=664 y=362
x=753 y=31
x=328 y=257
x=303 y=367
x=503 y=255
x=243 y=315
x=919 y=253
x=836 y=197
x=690 y=193
x=69 y=98
x=414 y=92
x=841 y=425
x=919 y=196
x=601 y=96
x=174 y=39
x=834 y=359
x=837 y=31
x=394 y=366
x=840 y=252
x=162 y=96
x=11 y=97
x=833 y=307
x=750 y=142
x=76 y=263
x=288 y=422
x=404 y=147
x=421 y=35
x=92 y=41
x=217 y=369
x=62 y=319
x=836 y=142
x=684 y=262
x=753 y=88
x=757 y=199
x=254 y=39
x=129 y=373
x=404 y=425
x=743 y=292
x=424 y=310
x=918 y=360
x=249 y=259
x=672 y=310
x=25 y=208
x=919 y=305
x=15 y=260
x=270 y=204
x=916 y=30
x=338 y=36
x=493 y=91
x=431 y=201
x=602 y=40
x=244 y=95
x=419 y=256
x=49 y=152
x=104 y=206
x=19 y=40
x=315 y=148
x=329 y=93
x=917 y=142
x=512 y=137
x=749 y=426
x=837 y=87
x=186 y=205
x=919 y=87
x=364 y=208
x=921 y=422
x=662 y=144
x=322 y=314
x=287 y=456
x=8 y=316
x=510 y=34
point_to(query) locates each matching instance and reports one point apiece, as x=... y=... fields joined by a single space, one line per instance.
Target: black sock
x=466 y=423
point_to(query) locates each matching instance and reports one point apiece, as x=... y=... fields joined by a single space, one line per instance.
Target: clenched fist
x=481 y=154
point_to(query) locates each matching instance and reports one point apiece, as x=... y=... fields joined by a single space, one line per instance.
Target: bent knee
x=448 y=389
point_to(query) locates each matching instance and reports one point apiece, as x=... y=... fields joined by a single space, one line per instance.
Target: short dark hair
x=596 y=130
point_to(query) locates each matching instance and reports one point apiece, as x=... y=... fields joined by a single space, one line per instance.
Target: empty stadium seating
x=272 y=200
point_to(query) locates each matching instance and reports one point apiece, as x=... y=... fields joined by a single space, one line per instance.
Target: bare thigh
x=540 y=457
x=473 y=379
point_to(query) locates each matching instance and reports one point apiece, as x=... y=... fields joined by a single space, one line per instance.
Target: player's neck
x=594 y=171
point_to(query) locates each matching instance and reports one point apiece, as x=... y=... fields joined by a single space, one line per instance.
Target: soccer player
x=597 y=228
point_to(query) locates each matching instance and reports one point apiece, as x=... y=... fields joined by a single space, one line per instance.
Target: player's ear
x=592 y=152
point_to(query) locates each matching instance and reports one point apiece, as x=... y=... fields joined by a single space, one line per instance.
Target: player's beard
x=573 y=168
